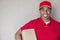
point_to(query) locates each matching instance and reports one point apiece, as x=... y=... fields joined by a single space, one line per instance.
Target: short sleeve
x=28 y=25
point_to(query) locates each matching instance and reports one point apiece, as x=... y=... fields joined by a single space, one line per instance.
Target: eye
x=42 y=9
x=49 y=9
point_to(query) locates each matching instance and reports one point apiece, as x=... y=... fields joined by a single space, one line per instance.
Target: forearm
x=17 y=37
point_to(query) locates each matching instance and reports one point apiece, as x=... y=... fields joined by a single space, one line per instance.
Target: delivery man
x=45 y=27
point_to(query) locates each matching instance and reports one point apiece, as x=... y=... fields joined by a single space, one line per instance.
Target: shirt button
x=45 y=28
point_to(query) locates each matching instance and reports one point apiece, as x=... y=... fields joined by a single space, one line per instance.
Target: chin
x=45 y=18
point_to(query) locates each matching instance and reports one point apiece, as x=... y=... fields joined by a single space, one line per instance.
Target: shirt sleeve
x=28 y=25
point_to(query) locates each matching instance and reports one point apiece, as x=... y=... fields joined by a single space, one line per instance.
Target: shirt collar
x=40 y=19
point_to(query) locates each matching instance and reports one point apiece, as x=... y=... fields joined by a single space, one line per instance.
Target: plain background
x=16 y=13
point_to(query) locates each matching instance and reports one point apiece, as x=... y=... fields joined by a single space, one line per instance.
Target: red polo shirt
x=50 y=31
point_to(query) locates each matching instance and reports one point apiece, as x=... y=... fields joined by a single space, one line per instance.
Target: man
x=45 y=27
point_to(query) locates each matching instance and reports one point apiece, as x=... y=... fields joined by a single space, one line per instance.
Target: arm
x=18 y=35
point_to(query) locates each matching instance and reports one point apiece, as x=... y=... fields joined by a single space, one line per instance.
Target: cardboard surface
x=28 y=34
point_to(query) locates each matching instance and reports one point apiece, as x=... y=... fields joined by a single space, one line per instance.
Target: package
x=29 y=34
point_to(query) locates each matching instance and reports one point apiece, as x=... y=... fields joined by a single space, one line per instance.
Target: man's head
x=45 y=10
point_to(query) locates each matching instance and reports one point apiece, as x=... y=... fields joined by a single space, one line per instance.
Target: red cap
x=45 y=3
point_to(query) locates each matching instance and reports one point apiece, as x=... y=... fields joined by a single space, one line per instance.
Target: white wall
x=15 y=13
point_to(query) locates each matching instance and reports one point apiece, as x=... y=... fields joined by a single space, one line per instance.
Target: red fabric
x=43 y=31
x=45 y=3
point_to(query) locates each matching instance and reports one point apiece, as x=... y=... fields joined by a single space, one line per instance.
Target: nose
x=45 y=11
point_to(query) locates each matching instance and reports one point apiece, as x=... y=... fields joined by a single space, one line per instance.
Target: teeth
x=45 y=15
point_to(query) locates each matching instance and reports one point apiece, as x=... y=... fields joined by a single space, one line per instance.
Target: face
x=45 y=12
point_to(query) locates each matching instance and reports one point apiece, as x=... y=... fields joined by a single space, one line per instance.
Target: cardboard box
x=29 y=34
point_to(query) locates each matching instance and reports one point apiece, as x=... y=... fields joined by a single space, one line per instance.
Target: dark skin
x=18 y=35
x=43 y=10
x=45 y=13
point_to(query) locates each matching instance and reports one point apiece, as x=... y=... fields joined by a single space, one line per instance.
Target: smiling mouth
x=45 y=15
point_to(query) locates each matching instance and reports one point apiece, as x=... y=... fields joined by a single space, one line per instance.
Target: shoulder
x=56 y=25
x=33 y=21
x=55 y=22
x=29 y=24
